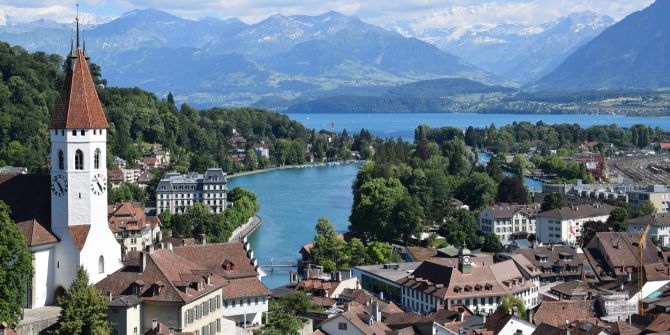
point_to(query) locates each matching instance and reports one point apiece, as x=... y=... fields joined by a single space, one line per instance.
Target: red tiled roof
x=245 y=287
x=556 y=313
x=35 y=233
x=660 y=324
x=213 y=256
x=78 y=105
x=79 y=234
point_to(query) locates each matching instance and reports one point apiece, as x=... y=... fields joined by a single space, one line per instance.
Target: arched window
x=96 y=159
x=79 y=160
x=101 y=264
x=61 y=160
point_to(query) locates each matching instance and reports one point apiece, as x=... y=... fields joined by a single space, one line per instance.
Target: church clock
x=98 y=184
x=59 y=185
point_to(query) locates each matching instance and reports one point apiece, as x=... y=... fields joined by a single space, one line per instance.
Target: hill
x=198 y=138
x=633 y=53
x=429 y=96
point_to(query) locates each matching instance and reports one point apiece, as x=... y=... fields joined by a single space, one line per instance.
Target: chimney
x=376 y=312
x=381 y=294
x=483 y=318
x=109 y=295
x=203 y=239
x=154 y=324
x=530 y=315
x=169 y=246
x=461 y=314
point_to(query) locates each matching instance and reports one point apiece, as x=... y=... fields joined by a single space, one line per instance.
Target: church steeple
x=464 y=260
x=78 y=105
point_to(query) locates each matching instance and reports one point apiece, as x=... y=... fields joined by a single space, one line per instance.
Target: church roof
x=35 y=233
x=78 y=105
x=79 y=234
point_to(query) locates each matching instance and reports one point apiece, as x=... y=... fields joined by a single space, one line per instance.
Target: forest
x=198 y=139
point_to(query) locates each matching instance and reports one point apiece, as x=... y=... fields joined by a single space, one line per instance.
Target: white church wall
x=43 y=277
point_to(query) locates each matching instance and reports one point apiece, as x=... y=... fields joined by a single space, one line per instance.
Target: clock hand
x=59 y=186
x=99 y=186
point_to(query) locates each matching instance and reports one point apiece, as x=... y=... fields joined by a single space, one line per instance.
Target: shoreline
x=289 y=167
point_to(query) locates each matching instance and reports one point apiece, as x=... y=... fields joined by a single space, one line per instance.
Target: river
x=293 y=200
x=403 y=124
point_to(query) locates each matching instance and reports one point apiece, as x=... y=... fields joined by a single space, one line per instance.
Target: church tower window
x=101 y=264
x=79 y=160
x=96 y=159
x=61 y=160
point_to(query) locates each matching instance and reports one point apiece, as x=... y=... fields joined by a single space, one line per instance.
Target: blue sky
x=426 y=13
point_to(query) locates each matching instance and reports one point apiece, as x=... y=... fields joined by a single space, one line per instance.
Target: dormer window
x=74 y=133
x=136 y=289
x=83 y=132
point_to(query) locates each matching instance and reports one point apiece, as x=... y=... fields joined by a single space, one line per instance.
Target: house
x=472 y=283
x=556 y=313
x=144 y=179
x=594 y=162
x=177 y=193
x=501 y=323
x=507 y=220
x=115 y=178
x=556 y=263
x=565 y=224
x=326 y=288
x=659 y=226
x=132 y=227
x=262 y=150
x=150 y=163
x=573 y=328
x=173 y=290
x=613 y=255
x=355 y=321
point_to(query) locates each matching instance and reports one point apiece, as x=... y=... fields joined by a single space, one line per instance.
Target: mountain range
x=286 y=60
x=516 y=52
x=634 y=53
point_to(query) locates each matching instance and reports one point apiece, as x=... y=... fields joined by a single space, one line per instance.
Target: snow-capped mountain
x=514 y=51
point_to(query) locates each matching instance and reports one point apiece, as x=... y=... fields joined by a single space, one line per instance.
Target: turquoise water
x=403 y=124
x=291 y=203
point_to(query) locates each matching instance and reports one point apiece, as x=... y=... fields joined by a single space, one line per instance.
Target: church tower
x=464 y=260
x=78 y=133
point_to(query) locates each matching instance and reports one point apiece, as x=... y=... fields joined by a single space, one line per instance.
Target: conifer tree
x=15 y=267
x=83 y=309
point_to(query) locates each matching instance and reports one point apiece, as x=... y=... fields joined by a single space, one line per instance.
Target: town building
x=556 y=263
x=508 y=220
x=659 y=227
x=614 y=255
x=262 y=150
x=479 y=285
x=132 y=227
x=63 y=216
x=565 y=224
x=657 y=195
x=381 y=279
x=177 y=193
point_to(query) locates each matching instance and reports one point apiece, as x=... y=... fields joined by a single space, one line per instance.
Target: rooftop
x=390 y=272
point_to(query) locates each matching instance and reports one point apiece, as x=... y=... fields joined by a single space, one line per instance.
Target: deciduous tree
x=15 y=267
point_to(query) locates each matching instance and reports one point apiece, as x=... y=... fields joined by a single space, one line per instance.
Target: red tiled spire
x=78 y=105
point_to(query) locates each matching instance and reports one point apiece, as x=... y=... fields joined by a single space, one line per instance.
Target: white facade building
x=659 y=226
x=565 y=224
x=505 y=220
x=177 y=193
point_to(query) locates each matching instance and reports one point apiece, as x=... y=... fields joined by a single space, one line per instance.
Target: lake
x=403 y=124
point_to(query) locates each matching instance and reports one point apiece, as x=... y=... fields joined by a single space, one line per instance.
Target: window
x=218 y=325
x=136 y=289
x=74 y=133
x=61 y=160
x=101 y=264
x=83 y=132
x=342 y=326
x=79 y=160
x=96 y=159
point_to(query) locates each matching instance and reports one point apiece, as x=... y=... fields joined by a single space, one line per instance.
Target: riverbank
x=246 y=229
x=289 y=167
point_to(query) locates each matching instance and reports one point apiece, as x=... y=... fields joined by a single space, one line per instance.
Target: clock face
x=466 y=259
x=98 y=184
x=59 y=185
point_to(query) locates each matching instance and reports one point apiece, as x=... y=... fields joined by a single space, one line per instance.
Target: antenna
x=77 y=20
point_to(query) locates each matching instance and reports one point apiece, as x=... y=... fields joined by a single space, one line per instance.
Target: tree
x=250 y=160
x=356 y=253
x=379 y=252
x=589 y=230
x=373 y=207
x=519 y=165
x=477 y=191
x=15 y=267
x=491 y=243
x=646 y=208
x=512 y=190
x=551 y=201
x=509 y=303
x=327 y=245
x=493 y=168
x=617 y=219
x=83 y=309
x=407 y=218
x=283 y=316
